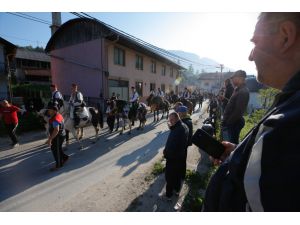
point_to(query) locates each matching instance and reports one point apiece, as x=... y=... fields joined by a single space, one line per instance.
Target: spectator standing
x=262 y=172
x=11 y=121
x=233 y=121
x=187 y=120
x=57 y=137
x=174 y=154
x=228 y=93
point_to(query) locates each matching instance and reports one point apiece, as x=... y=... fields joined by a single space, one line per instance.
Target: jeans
x=11 y=130
x=232 y=132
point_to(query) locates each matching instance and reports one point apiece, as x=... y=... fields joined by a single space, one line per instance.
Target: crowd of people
x=258 y=174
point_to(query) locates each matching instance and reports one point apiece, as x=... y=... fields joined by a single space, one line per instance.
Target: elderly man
x=262 y=172
x=233 y=120
x=174 y=154
x=187 y=120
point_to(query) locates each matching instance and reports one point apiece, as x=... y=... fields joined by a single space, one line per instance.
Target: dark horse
x=156 y=103
x=127 y=113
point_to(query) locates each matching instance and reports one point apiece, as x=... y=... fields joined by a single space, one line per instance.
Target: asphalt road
x=26 y=184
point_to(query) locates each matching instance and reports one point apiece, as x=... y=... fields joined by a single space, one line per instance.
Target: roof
x=11 y=48
x=32 y=55
x=111 y=34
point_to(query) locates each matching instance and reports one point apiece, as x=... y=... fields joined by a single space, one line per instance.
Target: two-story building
x=7 y=53
x=101 y=59
x=32 y=66
x=213 y=82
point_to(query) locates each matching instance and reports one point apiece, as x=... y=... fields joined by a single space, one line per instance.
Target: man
x=10 y=118
x=262 y=172
x=57 y=137
x=76 y=101
x=186 y=119
x=227 y=94
x=134 y=103
x=174 y=154
x=113 y=96
x=233 y=120
x=186 y=93
x=57 y=97
x=160 y=93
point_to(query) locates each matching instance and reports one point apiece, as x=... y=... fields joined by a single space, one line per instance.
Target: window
x=152 y=86
x=153 y=66
x=139 y=62
x=171 y=72
x=119 y=56
x=163 y=70
x=139 y=88
x=163 y=87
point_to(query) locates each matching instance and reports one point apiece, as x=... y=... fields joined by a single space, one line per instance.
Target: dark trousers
x=183 y=164
x=118 y=121
x=11 y=130
x=56 y=148
x=173 y=176
x=76 y=117
x=232 y=132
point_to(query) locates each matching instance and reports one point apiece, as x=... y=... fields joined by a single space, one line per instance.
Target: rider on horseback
x=57 y=98
x=134 y=102
x=76 y=101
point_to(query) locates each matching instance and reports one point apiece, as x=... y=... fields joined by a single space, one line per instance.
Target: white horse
x=89 y=116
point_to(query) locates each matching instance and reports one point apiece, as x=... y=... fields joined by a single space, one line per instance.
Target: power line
x=30 y=18
x=35 y=17
x=152 y=47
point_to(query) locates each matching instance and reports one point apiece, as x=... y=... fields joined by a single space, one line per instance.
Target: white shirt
x=160 y=93
x=134 y=97
x=57 y=95
x=79 y=99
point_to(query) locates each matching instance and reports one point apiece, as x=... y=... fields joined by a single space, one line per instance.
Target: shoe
x=65 y=160
x=54 y=168
x=177 y=193
x=15 y=145
x=163 y=197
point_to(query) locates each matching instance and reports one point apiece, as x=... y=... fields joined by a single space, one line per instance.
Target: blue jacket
x=263 y=173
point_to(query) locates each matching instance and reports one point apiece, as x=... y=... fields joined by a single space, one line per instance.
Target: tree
x=266 y=96
x=191 y=69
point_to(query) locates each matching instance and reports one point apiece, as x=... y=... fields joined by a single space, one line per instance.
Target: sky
x=223 y=37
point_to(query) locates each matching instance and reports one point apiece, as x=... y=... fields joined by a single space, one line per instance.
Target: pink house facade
x=102 y=60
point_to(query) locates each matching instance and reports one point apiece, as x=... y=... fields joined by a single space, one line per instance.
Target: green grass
x=251 y=121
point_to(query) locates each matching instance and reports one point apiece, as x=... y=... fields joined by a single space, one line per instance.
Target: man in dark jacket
x=186 y=119
x=174 y=154
x=233 y=120
x=262 y=172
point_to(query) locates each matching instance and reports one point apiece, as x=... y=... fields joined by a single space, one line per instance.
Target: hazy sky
x=223 y=36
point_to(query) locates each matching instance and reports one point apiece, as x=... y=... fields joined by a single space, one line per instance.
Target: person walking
x=11 y=121
x=174 y=154
x=76 y=101
x=262 y=172
x=56 y=137
x=233 y=121
x=187 y=120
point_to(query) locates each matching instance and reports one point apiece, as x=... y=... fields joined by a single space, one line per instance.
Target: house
x=7 y=53
x=102 y=59
x=32 y=66
x=213 y=82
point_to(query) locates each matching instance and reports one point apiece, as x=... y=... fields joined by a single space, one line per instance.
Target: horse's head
x=43 y=116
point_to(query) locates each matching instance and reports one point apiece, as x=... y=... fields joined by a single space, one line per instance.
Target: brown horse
x=157 y=103
x=188 y=104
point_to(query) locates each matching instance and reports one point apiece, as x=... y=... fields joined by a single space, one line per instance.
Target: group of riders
x=117 y=109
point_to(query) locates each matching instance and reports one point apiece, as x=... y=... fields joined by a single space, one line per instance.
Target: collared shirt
x=134 y=97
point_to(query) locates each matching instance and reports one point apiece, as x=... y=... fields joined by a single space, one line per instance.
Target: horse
x=157 y=103
x=188 y=104
x=90 y=117
x=141 y=115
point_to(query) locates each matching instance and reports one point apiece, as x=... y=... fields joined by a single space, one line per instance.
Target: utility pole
x=56 y=22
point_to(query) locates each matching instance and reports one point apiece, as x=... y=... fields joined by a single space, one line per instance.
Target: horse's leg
x=67 y=138
x=80 y=132
x=75 y=134
x=130 y=125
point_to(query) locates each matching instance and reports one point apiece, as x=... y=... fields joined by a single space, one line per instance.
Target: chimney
x=56 y=22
